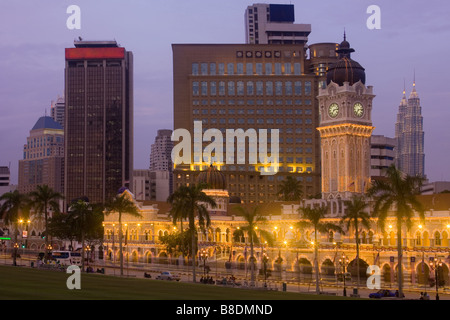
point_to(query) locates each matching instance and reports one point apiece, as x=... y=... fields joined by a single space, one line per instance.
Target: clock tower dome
x=345 y=127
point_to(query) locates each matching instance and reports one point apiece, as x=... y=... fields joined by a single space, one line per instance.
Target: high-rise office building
x=382 y=155
x=274 y=24
x=161 y=151
x=43 y=157
x=98 y=120
x=410 y=155
x=58 y=110
x=251 y=86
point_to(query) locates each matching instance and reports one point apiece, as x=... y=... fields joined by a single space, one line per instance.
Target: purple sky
x=33 y=35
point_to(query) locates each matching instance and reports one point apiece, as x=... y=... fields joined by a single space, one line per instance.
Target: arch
x=134 y=256
x=437 y=238
x=423 y=273
x=426 y=239
x=353 y=268
x=418 y=238
x=386 y=273
x=305 y=266
x=328 y=268
x=363 y=237
x=148 y=257
x=240 y=262
x=445 y=238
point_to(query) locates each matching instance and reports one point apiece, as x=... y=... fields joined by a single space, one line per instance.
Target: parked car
x=382 y=293
x=167 y=275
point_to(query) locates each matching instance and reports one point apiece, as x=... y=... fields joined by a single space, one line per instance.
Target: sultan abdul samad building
x=345 y=127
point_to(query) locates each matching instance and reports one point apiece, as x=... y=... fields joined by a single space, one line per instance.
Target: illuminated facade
x=251 y=86
x=422 y=243
x=345 y=128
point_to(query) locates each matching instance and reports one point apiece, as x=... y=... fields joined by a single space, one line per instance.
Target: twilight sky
x=414 y=35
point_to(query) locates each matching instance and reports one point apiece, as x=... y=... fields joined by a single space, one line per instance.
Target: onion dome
x=213 y=178
x=346 y=69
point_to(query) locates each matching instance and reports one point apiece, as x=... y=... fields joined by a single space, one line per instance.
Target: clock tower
x=345 y=127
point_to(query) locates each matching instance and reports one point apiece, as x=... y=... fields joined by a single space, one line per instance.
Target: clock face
x=358 y=109
x=333 y=110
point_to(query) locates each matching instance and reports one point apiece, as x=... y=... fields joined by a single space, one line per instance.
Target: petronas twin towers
x=409 y=134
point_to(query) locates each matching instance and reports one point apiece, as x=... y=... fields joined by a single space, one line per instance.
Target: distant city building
x=274 y=24
x=99 y=120
x=410 y=156
x=141 y=184
x=161 y=151
x=436 y=187
x=152 y=185
x=57 y=110
x=43 y=157
x=382 y=155
x=4 y=176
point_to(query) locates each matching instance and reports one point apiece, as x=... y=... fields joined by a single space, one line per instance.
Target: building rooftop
x=47 y=123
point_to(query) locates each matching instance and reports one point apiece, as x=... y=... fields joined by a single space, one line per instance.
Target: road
x=291 y=286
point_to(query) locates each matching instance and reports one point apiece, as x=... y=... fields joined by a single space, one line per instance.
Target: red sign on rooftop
x=94 y=53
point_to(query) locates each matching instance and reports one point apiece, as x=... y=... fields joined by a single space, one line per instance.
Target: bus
x=67 y=257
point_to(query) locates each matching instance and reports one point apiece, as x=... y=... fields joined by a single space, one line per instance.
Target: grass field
x=33 y=284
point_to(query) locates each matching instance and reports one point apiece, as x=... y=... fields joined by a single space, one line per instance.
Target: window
x=204 y=69
x=298 y=88
x=288 y=88
x=259 y=68
x=212 y=69
x=240 y=88
x=212 y=87
x=204 y=88
x=287 y=68
x=269 y=88
x=240 y=68
x=249 y=69
x=231 y=91
x=230 y=68
x=221 y=88
x=269 y=68
x=250 y=90
x=221 y=69
x=259 y=88
x=278 y=68
x=297 y=69
x=308 y=88
x=195 y=69
x=278 y=88
x=195 y=88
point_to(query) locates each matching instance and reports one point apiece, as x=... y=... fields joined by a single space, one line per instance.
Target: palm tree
x=78 y=214
x=312 y=218
x=14 y=203
x=397 y=192
x=43 y=199
x=121 y=204
x=253 y=219
x=290 y=189
x=355 y=216
x=177 y=210
x=191 y=202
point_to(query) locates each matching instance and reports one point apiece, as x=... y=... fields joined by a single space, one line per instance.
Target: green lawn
x=33 y=284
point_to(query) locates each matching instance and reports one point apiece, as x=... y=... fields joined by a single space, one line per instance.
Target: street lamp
x=343 y=261
x=437 y=264
x=204 y=256
x=265 y=260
